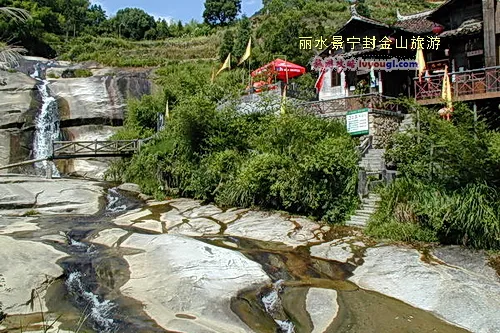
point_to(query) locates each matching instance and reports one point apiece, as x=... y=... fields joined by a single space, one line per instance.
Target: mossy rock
x=75 y=73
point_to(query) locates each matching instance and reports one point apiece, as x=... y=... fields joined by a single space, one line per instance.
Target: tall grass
x=448 y=189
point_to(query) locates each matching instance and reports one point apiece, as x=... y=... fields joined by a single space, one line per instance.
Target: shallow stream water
x=88 y=298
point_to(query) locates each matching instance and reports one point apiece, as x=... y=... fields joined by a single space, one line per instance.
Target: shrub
x=448 y=189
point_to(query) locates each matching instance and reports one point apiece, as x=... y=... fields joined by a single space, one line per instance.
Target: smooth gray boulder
x=187 y=285
x=20 y=194
x=36 y=264
x=129 y=187
x=456 y=294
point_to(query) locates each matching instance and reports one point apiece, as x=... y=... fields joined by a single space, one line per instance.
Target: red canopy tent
x=282 y=69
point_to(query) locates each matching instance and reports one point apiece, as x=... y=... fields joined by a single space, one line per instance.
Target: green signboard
x=357 y=122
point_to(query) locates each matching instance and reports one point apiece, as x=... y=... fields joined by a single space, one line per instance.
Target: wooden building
x=470 y=47
x=393 y=83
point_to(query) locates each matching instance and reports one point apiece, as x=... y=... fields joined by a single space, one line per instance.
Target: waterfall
x=46 y=124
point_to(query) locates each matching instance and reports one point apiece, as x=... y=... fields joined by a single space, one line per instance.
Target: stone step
x=371 y=199
x=370 y=159
x=364 y=212
x=355 y=224
x=359 y=218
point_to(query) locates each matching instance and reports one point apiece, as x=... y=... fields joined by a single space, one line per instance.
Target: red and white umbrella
x=282 y=69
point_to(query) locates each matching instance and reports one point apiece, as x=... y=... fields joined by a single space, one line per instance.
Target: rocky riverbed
x=90 y=258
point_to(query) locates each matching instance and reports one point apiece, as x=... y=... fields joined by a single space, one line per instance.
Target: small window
x=335 y=79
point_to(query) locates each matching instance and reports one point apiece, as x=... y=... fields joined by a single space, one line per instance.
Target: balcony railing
x=338 y=107
x=465 y=85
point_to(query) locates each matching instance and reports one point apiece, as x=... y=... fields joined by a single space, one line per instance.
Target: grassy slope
x=123 y=53
x=119 y=52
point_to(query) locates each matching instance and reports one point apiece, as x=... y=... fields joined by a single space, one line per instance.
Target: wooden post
x=489 y=33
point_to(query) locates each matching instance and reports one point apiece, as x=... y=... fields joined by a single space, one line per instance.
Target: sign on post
x=357 y=122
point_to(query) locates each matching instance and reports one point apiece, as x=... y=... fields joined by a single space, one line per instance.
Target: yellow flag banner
x=446 y=92
x=227 y=64
x=421 y=63
x=247 y=52
x=283 y=101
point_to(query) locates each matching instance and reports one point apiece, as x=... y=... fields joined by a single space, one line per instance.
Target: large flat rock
x=20 y=194
x=187 y=285
x=460 y=296
x=274 y=227
x=25 y=266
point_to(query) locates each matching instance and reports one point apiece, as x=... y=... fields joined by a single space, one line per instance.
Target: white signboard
x=357 y=122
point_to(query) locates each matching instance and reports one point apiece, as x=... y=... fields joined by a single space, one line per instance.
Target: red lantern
x=437 y=29
x=392 y=39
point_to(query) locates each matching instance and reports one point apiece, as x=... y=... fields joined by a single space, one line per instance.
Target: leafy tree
x=243 y=34
x=162 y=29
x=133 y=23
x=96 y=16
x=362 y=8
x=227 y=45
x=221 y=12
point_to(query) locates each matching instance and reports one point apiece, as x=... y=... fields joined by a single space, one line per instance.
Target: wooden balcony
x=340 y=106
x=466 y=86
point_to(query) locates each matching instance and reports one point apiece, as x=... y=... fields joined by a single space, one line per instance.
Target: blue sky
x=183 y=10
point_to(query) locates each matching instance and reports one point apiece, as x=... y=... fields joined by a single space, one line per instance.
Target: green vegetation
x=221 y=12
x=53 y=24
x=31 y=212
x=293 y=162
x=449 y=185
x=78 y=31
x=124 y=53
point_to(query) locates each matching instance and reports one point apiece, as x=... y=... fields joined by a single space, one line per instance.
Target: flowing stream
x=46 y=123
x=88 y=296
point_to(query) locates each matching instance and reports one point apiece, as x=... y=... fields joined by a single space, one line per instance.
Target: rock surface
x=129 y=187
x=109 y=237
x=18 y=105
x=187 y=285
x=16 y=98
x=36 y=263
x=10 y=225
x=22 y=194
x=322 y=306
x=459 y=295
x=273 y=227
x=101 y=96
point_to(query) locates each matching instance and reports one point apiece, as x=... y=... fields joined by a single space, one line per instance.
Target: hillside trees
x=243 y=34
x=133 y=23
x=221 y=12
x=227 y=45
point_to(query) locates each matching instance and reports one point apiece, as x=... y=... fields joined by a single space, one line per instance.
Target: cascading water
x=46 y=124
x=272 y=304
